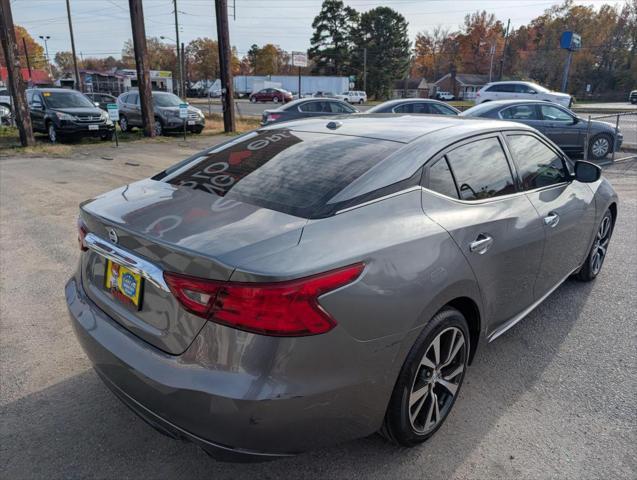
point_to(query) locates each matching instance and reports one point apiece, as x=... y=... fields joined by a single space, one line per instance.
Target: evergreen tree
x=332 y=41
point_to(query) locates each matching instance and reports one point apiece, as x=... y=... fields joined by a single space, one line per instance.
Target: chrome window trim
x=498 y=198
x=138 y=265
x=379 y=199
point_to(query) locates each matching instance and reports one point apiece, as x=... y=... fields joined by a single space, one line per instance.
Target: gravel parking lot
x=552 y=398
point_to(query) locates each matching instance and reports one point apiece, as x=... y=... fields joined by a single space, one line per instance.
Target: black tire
x=593 y=263
x=123 y=124
x=51 y=132
x=398 y=426
x=197 y=130
x=158 y=126
x=108 y=136
x=595 y=146
x=253 y=100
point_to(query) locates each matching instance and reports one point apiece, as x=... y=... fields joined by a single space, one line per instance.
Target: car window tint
x=481 y=170
x=311 y=107
x=441 y=109
x=420 y=108
x=29 y=96
x=132 y=98
x=555 y=114
x=338 y=108
x=441 y=180
x=538 y=165
x=521 y=88
x=494 y=88
x=520 y=112
x=405 y=108
x=289 y=171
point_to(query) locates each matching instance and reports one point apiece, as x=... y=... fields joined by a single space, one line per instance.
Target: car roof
x=404 y=128
x=400 y=101
x=502 y=103
x=300 y=101
x=525 y=82
x=418 y=138
x=53 y=89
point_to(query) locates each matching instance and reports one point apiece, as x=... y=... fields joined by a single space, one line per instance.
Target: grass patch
x=214 y=124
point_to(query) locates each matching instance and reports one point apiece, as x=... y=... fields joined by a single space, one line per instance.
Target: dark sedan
x=307 y=107
x=558 y=123
x=415 y=105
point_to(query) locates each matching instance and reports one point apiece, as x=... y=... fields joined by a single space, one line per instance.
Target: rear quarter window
x=284 y=170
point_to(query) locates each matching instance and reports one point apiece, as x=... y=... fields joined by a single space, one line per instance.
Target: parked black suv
x=166 y=108
x=63 y=113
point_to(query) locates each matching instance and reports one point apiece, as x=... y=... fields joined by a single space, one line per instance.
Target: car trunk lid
x=175 y=229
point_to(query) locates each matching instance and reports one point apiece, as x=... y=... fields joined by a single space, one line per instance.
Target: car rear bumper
x=177 y=124
x=242 y=396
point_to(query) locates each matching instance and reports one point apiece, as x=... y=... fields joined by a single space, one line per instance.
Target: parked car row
x=555 y=121
x=63 y=113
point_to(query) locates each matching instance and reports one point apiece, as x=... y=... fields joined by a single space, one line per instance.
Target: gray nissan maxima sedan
x=319 y=281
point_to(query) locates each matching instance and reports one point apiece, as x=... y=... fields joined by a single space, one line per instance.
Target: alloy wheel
x=123 y=124
x=437 y=380
x=600 y=147
x=601 y=245
x=158 y=128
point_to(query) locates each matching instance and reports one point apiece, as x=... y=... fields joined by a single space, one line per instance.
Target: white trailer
x=246 y=84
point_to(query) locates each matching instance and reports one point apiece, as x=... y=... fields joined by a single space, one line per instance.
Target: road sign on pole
x=569 y=41
x=113 y=114
x=183 y=114
x=299 y=59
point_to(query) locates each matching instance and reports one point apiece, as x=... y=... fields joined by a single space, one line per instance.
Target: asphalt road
x=554 y=397
x=627 y=124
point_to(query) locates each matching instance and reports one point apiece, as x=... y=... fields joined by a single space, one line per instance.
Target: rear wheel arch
x=471 y=312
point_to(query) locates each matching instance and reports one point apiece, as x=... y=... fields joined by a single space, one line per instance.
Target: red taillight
x=82 y=230
x=281 y=309
x=272 y=117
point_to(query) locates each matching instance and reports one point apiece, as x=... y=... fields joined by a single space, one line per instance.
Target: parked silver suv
x=166 y=109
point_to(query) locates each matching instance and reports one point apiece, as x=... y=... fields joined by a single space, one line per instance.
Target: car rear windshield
x=288 y=171
x=66 y=100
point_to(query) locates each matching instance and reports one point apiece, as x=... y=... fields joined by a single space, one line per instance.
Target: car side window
x=494 y=88
x=132 y=98
x=520 y=112
x=481 y=170
x=310 y=107
x=124 y=98
x=440 y=109
x=406 y=108
x=29 y=97
x=420 y=108
x=521 y=88
x=538 y=165
x=441 y=180
x=337 y=108
x=554 y=114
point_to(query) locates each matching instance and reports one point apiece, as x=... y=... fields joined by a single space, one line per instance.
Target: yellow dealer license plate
x=124 y=284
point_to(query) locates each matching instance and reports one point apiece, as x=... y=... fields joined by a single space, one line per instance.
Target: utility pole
x=46 y=39
x=26 y=55
x=227 y=87
x=180 y=73
x=78 y=81
x=504 y=49
x=141 y=65
x=184 y=76
x=365 y=70
x=14 y=74
x=492 y=52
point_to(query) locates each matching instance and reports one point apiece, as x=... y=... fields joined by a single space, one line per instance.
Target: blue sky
x=102 y=26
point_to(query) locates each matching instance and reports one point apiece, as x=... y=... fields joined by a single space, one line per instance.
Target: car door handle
x=552 y=219
x=481 y=244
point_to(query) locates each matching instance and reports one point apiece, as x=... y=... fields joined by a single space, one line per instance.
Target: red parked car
x=275 y=95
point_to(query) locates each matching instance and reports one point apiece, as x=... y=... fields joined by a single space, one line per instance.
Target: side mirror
x=37 y=106
x=587 y=172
